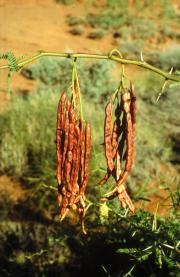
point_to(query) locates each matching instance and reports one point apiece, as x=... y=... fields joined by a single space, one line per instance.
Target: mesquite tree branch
x=111 y=56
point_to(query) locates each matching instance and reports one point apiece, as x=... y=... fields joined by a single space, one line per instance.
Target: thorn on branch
x=163 y=86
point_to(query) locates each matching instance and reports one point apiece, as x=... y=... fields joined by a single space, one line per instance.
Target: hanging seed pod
x=118 y=166
x=129 y=140
x=59 y=199
x=73 y=156
x=109 y=141
x=107 y=136
x=67 y=175
x=133 y=106
x=66 y=131
x=75 y=164
x=126 y=131
x=114 y=140
x=125 y=200
x=59 y=136
x=76 y=90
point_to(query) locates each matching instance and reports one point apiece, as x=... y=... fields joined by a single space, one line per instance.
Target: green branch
x=118 y=59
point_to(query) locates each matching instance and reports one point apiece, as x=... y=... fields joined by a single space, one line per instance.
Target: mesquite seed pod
x=66 y=131
x=129 y=139
x=114 y=140
x=76 y=90
x=59 y=136
x=75 y=165
x=133 y=106
x=125 y=200
x=107 y=136
x=118 y=166
x=126 y=128
x=73 y=156
x=67 y=175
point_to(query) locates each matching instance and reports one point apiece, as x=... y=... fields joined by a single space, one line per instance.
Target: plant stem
x=111 y=57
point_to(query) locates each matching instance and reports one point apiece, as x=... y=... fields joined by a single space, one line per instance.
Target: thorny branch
x=111 y=56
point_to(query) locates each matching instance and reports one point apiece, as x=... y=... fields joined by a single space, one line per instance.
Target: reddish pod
x=122 y=136
x=59 y=136
x=75 y=164
x=73 y=156
x=107 y=136
x=129 y=140
x=125 y=200
x=66 y=131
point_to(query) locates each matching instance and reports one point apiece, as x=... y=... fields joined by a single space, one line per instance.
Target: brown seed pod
x=107 y=136
x=129 y=141
x=118 y=166
x=117 y=130
x=73 y=156
x=122 y=141
x=66 y=131
x=67 y=175
x=133 y=106
x=59 y=136
x=125 y=200
x=123 y=136
x=114 y=140
x=75 y=163
x=72 y=119
x=60 y=111
x=76 y=90
x=59 y=199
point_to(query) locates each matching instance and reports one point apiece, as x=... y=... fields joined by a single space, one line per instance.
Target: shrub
x=55 y=72
x=167 y=59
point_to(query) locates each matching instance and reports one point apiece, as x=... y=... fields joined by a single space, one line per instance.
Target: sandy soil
x=32 y=25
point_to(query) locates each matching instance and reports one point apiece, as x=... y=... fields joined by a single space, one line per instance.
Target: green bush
x=27 y=139
x=170 y=58
x=143 y=28
x=107 y=19
x=167 y=59
x=96 y=80
x=131 y=48
x=141 y=244
x=65 y=2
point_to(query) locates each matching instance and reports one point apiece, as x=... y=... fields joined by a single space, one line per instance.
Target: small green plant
x=77 y=30
x=131 y=48
x=143 y=28
x=65 y=2
x=170 y=58
x=97 y=34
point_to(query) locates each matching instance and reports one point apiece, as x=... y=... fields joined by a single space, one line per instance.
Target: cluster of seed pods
x=119 y=144
x=73 y=146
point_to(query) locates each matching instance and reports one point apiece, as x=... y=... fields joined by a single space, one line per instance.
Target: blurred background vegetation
x=33 y=241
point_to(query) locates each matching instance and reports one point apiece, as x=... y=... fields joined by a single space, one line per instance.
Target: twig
x=111 y=57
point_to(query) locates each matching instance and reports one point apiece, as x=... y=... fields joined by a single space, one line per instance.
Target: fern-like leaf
x=12 y=61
